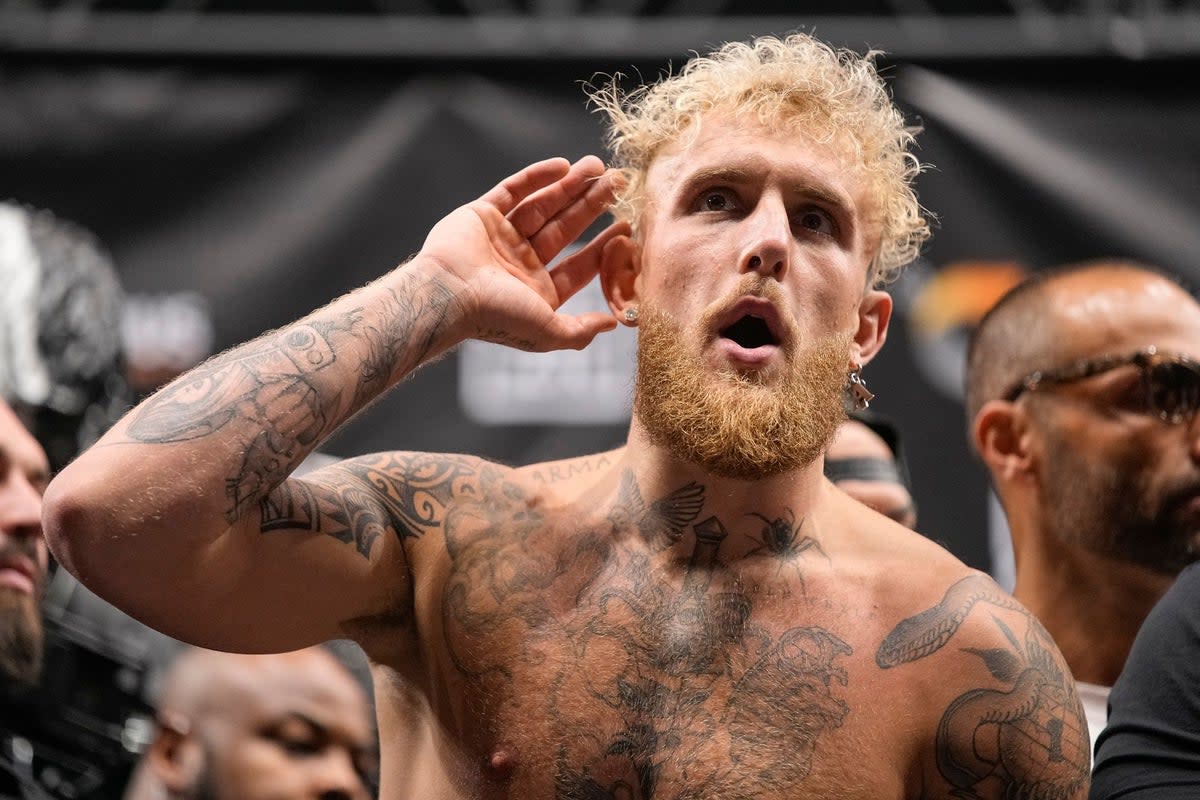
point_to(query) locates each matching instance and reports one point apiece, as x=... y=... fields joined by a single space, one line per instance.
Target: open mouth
x=750 y=332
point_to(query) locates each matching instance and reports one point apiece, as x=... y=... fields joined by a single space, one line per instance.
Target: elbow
x=68 y=522
x=78 y=518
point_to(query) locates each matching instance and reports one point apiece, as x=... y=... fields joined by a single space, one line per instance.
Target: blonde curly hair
x=834 y=96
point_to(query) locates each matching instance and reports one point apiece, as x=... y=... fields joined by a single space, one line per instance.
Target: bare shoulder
x=405 y=494
x=569 y=477
x=1005 y=716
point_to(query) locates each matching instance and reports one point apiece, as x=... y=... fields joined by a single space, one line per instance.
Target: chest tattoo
x=649 y=677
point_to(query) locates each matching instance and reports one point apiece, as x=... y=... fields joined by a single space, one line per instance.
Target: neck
x=1092 y=605
x=742 y=508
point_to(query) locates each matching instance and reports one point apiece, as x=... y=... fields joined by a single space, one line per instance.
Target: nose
x=768 y=237
x=20 y=506
x=335 y=778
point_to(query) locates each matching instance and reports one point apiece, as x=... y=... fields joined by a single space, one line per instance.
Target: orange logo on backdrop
x=961 y=292
x=944 y=306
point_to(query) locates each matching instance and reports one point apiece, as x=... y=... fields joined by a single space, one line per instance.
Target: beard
x=1115 y=512
x=21 y=636
x=737 y=425
x=205 y=787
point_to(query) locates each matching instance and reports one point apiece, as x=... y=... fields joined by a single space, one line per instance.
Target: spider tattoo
x=781 y=536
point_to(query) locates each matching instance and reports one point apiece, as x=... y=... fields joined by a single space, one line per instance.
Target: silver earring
x=631 y=314
x=860 y=395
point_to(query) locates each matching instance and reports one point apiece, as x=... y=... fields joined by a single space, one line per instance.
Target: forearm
x=207 y=448
x=176 y=493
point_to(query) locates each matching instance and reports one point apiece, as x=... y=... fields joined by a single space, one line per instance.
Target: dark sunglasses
x=1171 y=382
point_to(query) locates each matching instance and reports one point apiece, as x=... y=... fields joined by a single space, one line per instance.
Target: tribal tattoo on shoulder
x=402 y=494
x=275 y=398
x=1026 y=738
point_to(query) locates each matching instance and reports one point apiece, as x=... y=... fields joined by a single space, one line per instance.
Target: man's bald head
x=1049 y=320
x=204 y=682
x=290 y=725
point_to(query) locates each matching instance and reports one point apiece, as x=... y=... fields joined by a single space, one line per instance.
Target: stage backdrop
x=270 y=188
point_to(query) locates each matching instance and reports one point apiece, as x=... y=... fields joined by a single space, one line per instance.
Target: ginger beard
x=735 y=425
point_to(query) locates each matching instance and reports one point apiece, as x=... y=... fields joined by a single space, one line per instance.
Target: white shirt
x=1095 y=709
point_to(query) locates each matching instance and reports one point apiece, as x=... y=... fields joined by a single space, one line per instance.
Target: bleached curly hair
x=798 y=83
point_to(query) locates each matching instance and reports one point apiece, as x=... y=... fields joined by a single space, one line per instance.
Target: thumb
x=567 y=332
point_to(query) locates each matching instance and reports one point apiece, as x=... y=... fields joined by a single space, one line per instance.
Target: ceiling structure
x=587 y=29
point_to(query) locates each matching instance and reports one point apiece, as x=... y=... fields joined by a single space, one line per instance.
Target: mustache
x=23 y=547
x=1181 y=492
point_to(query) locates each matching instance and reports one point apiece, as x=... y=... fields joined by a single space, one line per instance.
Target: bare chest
x=596 y=668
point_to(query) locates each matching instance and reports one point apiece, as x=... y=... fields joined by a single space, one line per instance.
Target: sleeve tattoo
x=274 y=399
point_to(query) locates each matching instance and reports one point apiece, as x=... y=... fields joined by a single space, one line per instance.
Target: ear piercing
x=860 y=395
x=631 y=314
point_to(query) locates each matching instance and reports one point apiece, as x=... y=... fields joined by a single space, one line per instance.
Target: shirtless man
x=698 y=614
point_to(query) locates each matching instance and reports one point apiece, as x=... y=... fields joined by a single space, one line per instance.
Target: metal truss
x=594 y=29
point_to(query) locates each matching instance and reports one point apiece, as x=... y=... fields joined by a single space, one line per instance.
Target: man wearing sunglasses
x=1082 y=390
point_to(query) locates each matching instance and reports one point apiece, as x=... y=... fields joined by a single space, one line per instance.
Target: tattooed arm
x=172 y=515
x=1011 y=723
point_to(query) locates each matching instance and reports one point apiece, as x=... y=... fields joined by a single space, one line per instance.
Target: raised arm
x=184 y=515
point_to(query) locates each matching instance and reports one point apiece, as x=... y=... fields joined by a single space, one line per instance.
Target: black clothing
x=1151 y=746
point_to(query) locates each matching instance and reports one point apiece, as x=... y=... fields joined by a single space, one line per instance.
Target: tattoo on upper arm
x=275 y=398
x=401 y=494
x=926 y=633
x=1027 y=738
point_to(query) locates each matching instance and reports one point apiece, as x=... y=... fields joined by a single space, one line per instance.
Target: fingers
x=563 y=228
x=529 y=217
x=551 y=218
x=581 y=267
x=514 y=189
x=577 y=332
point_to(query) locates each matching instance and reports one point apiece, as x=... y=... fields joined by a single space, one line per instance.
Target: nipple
x=502 y=762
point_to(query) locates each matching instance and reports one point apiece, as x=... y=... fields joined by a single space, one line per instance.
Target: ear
x=874 y=314
x=620 y=273
x=175 y=757
x=1003 y=438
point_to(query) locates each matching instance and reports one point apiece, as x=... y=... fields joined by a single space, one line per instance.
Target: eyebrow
x=724 y=174
x=325 y=729
x=38 y=474
x=814 y=190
